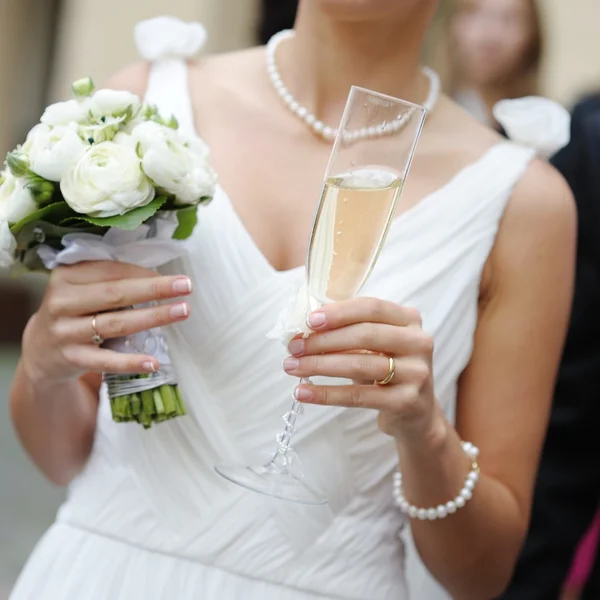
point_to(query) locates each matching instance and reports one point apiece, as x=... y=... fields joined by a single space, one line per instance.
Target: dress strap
x=168 y=43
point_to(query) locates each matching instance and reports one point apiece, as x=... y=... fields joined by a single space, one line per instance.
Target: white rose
x=107 y=181
x=16 y=200
x=53 y=150
x=176 y=165
x=114 y=103
x=291 y=321
x=8 y=245
x=536 y=122
x=63 y=113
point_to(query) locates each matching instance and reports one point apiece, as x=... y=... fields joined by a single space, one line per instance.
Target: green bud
x=41 y=189
x=83 y=87
x=18 y=163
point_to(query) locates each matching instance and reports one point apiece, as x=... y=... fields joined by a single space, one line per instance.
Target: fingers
x=386 y=339
x=359 y=367
x=121 y=323
x=393 y=399
x=362 y=310
x=92 y=359
x=106 y=296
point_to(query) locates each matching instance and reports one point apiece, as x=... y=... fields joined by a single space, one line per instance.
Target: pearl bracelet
x=443 y=510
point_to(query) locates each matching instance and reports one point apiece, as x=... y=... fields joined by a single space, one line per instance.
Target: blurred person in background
x=567 y=492
x=496 y=49
x=484 y=233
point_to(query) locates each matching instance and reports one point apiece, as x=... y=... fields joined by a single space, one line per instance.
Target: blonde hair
x=525 y=81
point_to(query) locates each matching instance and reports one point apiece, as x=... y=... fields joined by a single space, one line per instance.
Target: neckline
x=400 y=219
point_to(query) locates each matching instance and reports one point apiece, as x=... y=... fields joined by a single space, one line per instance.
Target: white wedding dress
x=149 y=519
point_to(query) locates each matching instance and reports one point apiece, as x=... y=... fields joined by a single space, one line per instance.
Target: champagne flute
x=369 y=162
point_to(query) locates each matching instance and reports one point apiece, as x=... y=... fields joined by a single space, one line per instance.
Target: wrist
x=431 y=437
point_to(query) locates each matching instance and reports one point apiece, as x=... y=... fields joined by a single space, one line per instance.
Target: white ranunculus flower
x=124 y=139
x=8 y=245
x=176 y=164
x=148 y=133
x=114 y=103
x=63 y=113
x=53 y=150
x=107 y=181
x=195 y=144
x=536 y=122
x=16 y=200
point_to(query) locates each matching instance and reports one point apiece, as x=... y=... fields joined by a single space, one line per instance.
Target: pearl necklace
x=317 y=126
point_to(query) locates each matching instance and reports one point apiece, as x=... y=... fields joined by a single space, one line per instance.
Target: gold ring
x=96 y=337
x=391 y=372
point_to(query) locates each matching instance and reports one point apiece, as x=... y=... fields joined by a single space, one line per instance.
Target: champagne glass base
x=271 y=480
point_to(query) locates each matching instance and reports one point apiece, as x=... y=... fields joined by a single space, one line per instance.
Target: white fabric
x=537 y=122
x=149 y=519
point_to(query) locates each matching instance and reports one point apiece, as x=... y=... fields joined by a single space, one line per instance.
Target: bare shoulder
x=211 y=73
x=538 y=232
x=541 y=210
x=541 y=206
x=239 y=73
x=133 y=78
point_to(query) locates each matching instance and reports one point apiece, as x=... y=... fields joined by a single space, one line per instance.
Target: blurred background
x=44 y=45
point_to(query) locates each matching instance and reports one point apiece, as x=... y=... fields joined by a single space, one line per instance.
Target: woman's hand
x=57 y=343
x=353 y=340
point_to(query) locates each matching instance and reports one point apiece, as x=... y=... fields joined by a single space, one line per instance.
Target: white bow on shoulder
x=536 y=122
x=168 y=37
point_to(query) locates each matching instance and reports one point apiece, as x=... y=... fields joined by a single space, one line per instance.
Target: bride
x=470 y=298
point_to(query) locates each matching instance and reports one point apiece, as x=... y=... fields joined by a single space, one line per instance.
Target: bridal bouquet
x=105 y=177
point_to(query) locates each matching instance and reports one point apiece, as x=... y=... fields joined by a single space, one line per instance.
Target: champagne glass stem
x=282 y=456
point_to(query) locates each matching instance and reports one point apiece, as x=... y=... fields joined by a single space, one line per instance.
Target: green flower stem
x=148 y=407
x=158 y=401
x=169 y=400
x=180 y=404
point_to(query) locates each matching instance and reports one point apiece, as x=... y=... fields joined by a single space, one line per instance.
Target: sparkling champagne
x=353 y=217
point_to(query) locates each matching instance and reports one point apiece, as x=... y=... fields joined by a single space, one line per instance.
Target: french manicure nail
x=296 y=347
x=183 y=285
x=316 y=319
x=149 y=366
x=179 y=310
x=302 y=394
x=290 y=364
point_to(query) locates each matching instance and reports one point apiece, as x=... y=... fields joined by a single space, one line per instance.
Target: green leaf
x=42 y=232
x=187 y=217
x=131 y=220
x=53 y=213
